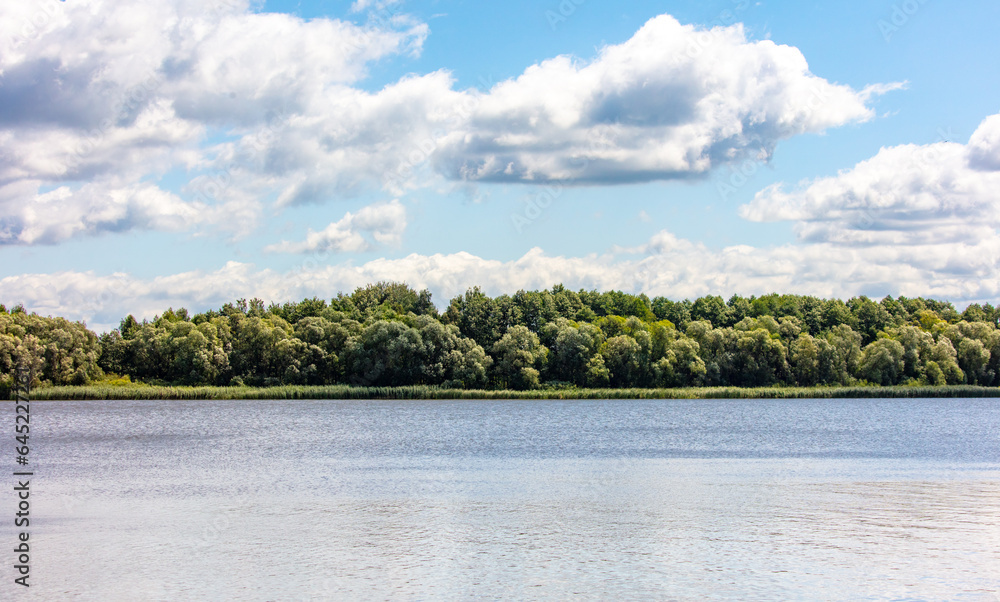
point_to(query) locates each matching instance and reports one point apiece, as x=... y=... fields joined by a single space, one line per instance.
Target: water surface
x=415 y=500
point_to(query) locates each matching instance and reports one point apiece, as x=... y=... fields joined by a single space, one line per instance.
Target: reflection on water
x=849 y=499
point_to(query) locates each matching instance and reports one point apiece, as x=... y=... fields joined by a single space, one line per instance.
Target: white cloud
x=674 y=101
x=872 y=90
x=914 y=195
x=384 y=222
x=984 y=146
x=95 y=208
x=357 y=139
x=97 y=92
x=668 y=265
x=267 y=106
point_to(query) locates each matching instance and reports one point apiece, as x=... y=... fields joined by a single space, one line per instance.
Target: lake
x=416 y=500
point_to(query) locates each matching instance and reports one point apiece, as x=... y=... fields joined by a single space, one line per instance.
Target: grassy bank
x=108 y=392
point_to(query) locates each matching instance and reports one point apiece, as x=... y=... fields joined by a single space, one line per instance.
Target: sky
x=190 y=153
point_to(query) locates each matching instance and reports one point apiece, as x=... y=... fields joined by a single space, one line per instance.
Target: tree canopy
x=389 y=334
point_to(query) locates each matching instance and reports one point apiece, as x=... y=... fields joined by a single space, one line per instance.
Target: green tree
x=677 y=313
x=255 y=357
x=385 y=354
x=870 y=317
x=467 y=365
x=519 y=358
x=395 y=296
x=945 y=358
x=978 y=350
x=711 y=309
x=450 y=358
x=680 y=365
x=623 y=358
x=572 y=347
x=598 y=375
x=917 y=346
x=481 y=318
x=738 y=308
x=804 y=359
x=753 y=358
x=535 y=309
x=194 y=353
x=882 y=362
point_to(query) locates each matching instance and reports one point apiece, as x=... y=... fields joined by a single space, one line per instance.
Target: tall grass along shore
x=136 y=392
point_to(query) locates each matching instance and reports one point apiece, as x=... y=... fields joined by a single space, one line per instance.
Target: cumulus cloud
x=257 y=105
x=674 y=101
x=384 y=222
x=914 y=195
x=661 y=243
x=667 y=265
x=358 y=139
x=97 y=91
x=984 y=146
x=95 y=208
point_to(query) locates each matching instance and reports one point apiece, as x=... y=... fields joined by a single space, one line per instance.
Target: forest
x=388 y=334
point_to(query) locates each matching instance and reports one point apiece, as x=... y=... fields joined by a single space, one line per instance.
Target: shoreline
x=169 y=393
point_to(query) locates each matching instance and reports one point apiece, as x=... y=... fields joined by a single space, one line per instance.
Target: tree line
x=388 y=334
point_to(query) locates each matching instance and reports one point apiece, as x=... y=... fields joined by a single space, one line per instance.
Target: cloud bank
x=924 y=197
x=666 y=265
x=106 y=103
x=914 y=220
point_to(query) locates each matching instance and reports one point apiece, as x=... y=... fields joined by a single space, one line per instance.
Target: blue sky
x=189 y=153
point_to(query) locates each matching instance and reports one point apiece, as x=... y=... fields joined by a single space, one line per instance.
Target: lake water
x=601 y=500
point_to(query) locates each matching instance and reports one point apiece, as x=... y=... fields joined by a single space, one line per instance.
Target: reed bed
x=146 y=392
